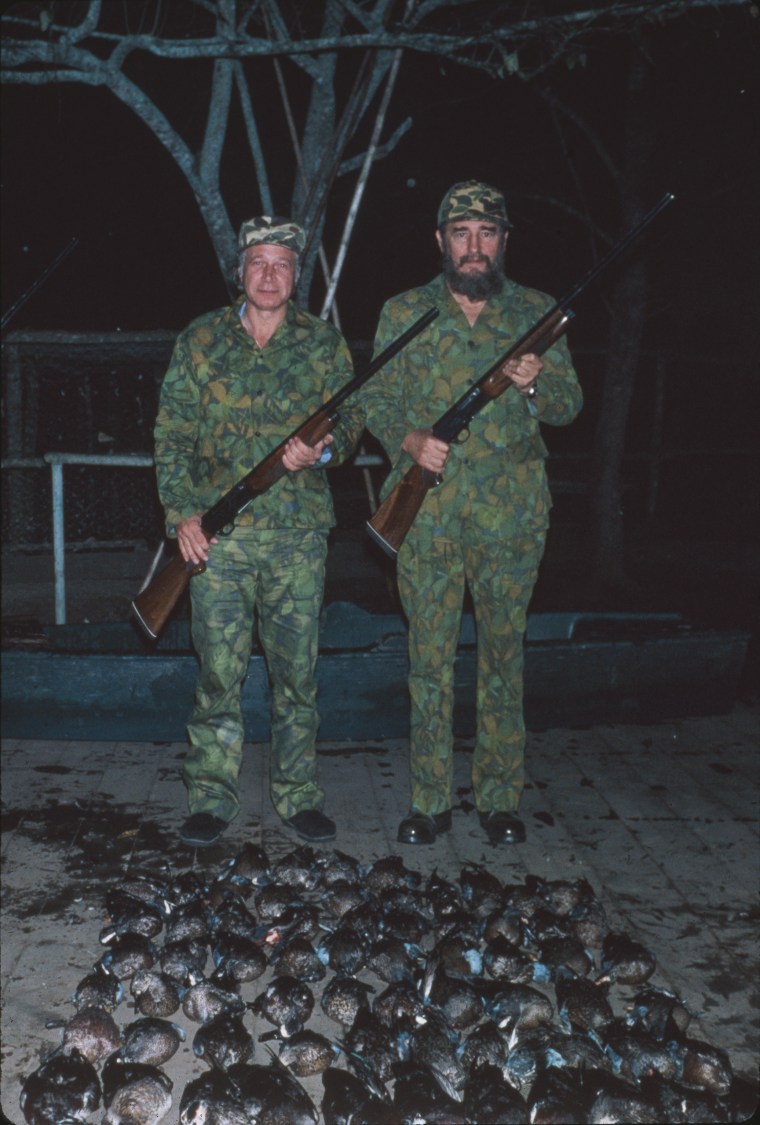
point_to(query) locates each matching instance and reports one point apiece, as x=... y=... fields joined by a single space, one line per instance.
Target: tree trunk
x=627 y=322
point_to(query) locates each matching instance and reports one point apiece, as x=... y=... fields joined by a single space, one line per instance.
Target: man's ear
x=439 y=240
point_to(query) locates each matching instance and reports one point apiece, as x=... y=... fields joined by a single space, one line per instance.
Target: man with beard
x=484 y=526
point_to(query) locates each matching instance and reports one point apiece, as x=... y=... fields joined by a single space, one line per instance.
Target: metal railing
x=56 y=463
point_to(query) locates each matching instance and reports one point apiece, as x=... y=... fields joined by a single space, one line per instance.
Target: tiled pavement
x=661 y=820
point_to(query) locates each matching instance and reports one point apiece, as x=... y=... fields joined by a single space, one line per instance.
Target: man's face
x=472 y=257
x=269 y=276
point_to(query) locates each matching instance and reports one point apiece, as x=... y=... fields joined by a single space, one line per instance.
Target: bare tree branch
x=254 y=141
x=95 y=44
x=460 y=47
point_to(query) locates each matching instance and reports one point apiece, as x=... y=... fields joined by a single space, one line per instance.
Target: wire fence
x=90 y=400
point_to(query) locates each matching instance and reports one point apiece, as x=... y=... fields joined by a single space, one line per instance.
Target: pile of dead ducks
x=473 y=1001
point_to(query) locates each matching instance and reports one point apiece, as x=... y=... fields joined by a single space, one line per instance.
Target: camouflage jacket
x=226 y=404
x=495 y=477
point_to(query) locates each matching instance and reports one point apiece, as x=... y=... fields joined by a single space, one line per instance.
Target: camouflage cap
x=472 y=199
x=273 y=229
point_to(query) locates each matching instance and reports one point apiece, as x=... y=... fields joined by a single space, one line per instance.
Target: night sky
x=76 y=163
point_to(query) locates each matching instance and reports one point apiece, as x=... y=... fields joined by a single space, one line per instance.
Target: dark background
x=76 y=163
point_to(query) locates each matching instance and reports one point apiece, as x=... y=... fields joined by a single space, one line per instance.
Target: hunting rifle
x=155 y=602
x=392 y=520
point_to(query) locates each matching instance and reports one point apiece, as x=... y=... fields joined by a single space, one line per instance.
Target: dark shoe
x=419 y=828
x=503 y=827
x=312 y=825
x=201 y=830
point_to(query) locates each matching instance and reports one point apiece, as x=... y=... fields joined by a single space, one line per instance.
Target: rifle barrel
x=616 y=250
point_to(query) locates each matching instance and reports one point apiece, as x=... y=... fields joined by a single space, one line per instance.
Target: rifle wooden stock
x=392 y=520
x=155 y=602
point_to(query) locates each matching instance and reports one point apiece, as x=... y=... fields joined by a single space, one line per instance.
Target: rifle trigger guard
x=461 y=437
x=227 y=530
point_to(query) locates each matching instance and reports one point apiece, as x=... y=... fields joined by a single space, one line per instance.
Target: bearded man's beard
x=474 y=286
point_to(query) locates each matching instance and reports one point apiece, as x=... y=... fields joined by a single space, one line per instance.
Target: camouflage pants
x=501 y=575
x=278 y=576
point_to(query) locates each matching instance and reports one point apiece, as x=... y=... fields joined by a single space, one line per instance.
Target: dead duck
x=274 y=901
x=616 y=1102
x=230 y=917
x=205 y=1000
x=337 y=867
x=64 y=1088
x=558 y=1095
x=392 y=959
x=703 y=1066
x=183 y=961
x=237 y=957
x=513 y=1006
x=143 y=919
x=581 y=1003
x=419 y=1096
x=459 y=954
x=99 y=989
x=297 y=957
x=128 y=953
x=490 y=1100
x=308 y=1053
x=503 y=960
x=344 y=951
x=433 y=1046
x=660 y=1012
x=251 y=865
x=565 y=952
x=484 y=1046
x=223 y=1042
x=371 y=1048
x=135 y=1093
x=588 y=922
x=348 y=1098
x=271 y=1094
x=212 y=1099
x=625 y=961
x=635 y=1054
x=444 y=896
x=405 y=923
x=481 y=890
x=189 y=922
x=287 y=1003
x=458 y=1000
x=399 y=1006
x=186 y=887
x=93 y=1033
x=563 y=896
x=297 y=868
x=140 y=888
x=507 y=922
x=150 y=1040
x=155 y=993
x=343 y=998
x=389 y=872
